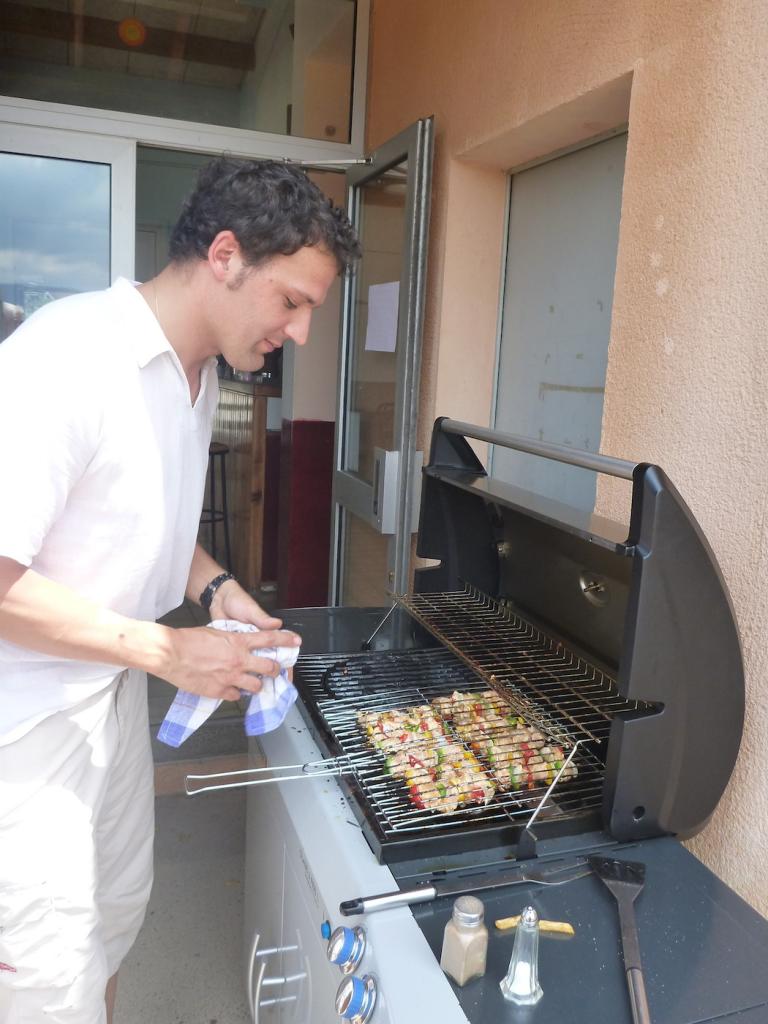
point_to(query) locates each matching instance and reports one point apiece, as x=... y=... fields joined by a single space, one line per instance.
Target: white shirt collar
x=151 y=342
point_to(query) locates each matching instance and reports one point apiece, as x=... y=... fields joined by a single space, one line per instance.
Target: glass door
x=66 y=217
x=377 y=469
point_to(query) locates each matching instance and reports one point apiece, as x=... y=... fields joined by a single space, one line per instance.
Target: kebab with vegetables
x=518 y=755
x=440 y=775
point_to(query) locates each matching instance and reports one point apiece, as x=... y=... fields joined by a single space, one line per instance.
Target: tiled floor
x=187 y=964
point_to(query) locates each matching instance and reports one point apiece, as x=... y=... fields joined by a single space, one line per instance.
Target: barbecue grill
x=619 y=646
x=549 y=686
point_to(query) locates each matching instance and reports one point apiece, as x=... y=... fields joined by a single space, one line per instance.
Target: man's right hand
x=219 y=664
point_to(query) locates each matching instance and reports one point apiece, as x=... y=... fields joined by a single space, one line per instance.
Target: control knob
x=346 y=947
x=356 y=998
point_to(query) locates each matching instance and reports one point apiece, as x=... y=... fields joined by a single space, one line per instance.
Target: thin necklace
x=157 y=306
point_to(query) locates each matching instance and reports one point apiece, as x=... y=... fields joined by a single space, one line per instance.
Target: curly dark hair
x=272 y=208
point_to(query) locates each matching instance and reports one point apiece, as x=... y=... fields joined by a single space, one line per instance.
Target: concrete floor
x=187 y=964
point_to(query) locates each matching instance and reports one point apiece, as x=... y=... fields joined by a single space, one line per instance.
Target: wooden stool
x=213 y=514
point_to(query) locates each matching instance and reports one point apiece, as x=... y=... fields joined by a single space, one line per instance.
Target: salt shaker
x=521 y=983
x=465 y=941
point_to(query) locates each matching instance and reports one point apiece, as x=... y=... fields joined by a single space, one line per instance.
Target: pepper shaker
x=465 y=941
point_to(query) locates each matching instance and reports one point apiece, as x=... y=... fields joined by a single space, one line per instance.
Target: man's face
x=265 y=306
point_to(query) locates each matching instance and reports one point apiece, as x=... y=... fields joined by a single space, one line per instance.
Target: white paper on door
x=383 y=304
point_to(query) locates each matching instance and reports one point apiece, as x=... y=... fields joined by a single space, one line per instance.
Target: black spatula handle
x=640 y=1012
x=630 y=946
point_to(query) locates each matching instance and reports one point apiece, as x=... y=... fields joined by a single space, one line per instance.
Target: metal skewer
x=526 y=844
x=366 y=644
x=552 y=785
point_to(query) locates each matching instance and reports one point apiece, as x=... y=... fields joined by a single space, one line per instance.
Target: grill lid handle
x=558 y=452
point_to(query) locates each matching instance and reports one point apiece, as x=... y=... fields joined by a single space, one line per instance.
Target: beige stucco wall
x=687 y=381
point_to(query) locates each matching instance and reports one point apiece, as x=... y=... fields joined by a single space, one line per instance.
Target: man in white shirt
x=105 y=476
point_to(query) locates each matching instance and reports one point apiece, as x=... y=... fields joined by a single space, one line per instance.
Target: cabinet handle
x=252 y=954
x=285 y=980
x=257 y=994
x=254 y=992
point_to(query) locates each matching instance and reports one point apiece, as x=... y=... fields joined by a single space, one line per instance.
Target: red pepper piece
x=416 y=797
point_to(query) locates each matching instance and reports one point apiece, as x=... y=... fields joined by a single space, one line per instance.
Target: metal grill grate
x=548 y=683
x=338 y=689
x=381 y=682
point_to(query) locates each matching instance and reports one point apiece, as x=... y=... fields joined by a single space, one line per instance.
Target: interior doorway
x=164 y=178
x=278 y=488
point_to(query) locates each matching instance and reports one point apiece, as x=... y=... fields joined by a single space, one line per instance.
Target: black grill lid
x=648 y=602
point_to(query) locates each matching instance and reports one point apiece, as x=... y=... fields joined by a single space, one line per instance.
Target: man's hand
x=215 y=663
x=45 y=616
x=232 y=602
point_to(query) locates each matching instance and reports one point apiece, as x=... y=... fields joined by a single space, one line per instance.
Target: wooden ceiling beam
x=89 y=31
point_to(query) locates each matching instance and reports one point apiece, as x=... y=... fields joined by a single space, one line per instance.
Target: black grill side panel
x=666 y=772
x=455 y=526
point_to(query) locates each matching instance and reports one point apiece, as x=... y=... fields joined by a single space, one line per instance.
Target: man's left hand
x=232 y=602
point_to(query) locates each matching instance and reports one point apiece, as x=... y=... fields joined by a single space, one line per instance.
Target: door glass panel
x=558 y=294
x=373 y=355
x=281 y=66
x=54 y=232
x=378 y=376
x=365 y=563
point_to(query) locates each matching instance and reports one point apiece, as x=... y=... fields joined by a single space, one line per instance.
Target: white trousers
x=76 y=834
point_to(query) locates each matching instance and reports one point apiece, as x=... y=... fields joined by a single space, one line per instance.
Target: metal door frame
x=414 y=144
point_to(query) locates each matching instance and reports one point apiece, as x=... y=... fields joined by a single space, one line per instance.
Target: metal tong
x=309 y=770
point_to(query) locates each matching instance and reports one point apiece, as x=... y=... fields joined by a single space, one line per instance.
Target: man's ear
x=224 y=257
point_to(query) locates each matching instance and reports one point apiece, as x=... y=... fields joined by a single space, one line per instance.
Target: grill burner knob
x=346 y=947
x=356 y=998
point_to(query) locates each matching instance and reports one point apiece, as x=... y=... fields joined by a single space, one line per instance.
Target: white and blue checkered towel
x=266 y=709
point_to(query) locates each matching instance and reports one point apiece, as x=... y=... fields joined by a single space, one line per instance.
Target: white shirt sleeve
x=48 y=432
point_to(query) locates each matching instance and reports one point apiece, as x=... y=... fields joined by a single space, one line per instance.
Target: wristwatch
x=207 y=595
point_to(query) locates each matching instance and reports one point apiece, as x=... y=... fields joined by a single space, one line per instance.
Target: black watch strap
x=207 y=595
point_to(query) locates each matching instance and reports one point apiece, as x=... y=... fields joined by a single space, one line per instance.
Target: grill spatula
x=625 y=879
